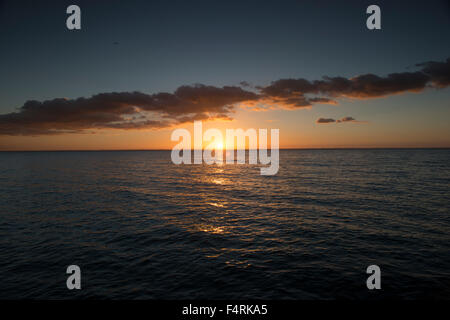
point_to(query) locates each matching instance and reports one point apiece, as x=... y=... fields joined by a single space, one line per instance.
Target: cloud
x=300 y=93
x=245 y=84
x=323 y=100
x=137 y=110
x=124 y=110
x=342 y=120
x=347 y=119
x=325 y=120
x=439 y=72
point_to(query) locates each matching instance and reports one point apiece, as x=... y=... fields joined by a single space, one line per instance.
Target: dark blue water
x=140 y=227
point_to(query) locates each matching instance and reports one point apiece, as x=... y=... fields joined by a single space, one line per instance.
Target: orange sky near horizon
x=295 y=132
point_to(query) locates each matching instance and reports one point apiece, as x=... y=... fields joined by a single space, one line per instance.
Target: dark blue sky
x=165 y=44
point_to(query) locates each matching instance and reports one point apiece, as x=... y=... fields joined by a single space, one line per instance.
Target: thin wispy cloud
x=325 y=120
x=137 y=110
x=347 y=119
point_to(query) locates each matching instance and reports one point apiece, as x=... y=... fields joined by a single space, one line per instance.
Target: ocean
x=140 y=227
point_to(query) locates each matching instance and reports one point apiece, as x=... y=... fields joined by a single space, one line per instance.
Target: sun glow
x=219 y=145
x=215 y=145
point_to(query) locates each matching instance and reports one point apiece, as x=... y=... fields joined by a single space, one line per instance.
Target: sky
x=139 y=69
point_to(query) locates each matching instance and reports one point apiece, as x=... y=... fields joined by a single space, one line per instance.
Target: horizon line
x=308 y=148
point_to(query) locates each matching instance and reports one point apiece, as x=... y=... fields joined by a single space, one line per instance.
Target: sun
x=215 y=145
x=219 y=145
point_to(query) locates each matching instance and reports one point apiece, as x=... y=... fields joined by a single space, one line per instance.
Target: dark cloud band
x=124 y=110
x=294 y=93
x=136 y=110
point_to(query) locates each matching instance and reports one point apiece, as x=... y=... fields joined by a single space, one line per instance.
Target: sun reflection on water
x=213 y=230
x=215 y=204
x=218 y=181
